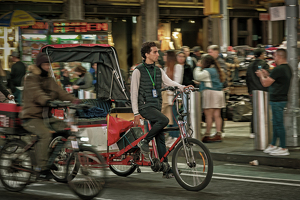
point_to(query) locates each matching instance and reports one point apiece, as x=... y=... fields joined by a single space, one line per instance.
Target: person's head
x=259 y=53
x=42 y=61
x=197 y=51
x=280 y=56
x=186 y=50
x=149 y=52
x=213 y=50
x=80 y=71
x=208 y=61
x=94 y=66
x=157 y=43
x=180 y=57
x=15 y=56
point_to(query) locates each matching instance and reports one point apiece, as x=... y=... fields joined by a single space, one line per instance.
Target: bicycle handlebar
x=186 y=90
x=170 y=88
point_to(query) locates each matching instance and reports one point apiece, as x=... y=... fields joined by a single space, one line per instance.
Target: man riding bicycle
x=146 y=84
x=39 y=89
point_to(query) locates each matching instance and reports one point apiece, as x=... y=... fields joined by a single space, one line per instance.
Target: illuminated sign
x=79 y=27
x=37 y=25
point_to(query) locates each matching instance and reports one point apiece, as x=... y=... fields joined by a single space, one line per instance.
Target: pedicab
x=191 y=160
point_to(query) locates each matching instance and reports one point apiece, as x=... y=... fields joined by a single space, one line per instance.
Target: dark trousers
x=158 y=122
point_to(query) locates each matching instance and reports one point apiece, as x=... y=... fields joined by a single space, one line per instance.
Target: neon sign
x=37 y=25
x=78 y=27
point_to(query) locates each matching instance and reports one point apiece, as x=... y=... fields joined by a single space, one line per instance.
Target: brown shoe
x=213 y=138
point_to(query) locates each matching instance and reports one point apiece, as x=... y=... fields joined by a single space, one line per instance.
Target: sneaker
x=280 y=152
x=270 y=149
x=169 y=174
x=144 y=146
x=252 y=135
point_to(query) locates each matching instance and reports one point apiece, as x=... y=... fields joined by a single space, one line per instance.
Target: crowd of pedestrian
x=209 y=73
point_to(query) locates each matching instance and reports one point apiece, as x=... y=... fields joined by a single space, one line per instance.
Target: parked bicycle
x=84 y=167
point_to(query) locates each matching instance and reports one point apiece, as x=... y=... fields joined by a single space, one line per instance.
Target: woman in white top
x=175 y=72
x=209 y=73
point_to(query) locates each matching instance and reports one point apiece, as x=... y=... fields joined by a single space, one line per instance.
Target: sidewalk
x=238 y=147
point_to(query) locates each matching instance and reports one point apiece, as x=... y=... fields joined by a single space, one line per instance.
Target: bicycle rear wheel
x=195 y=174
x=12 y=156
x=90 y=177
x=60 y=175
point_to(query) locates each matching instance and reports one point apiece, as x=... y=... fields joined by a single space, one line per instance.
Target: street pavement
x=230 y=181
x=239 y=148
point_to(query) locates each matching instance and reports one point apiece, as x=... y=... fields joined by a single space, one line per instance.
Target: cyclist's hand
x=189 y=86
x=10 y=96
x=137 y=119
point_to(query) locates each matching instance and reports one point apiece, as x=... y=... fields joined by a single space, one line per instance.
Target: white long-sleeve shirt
x=203 y=76
x=135 y=84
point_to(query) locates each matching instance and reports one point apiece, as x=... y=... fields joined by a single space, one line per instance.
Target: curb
x=262 y=160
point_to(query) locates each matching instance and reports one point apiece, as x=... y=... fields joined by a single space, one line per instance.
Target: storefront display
x=33 y=38
x=96 y=32
x=9 y=37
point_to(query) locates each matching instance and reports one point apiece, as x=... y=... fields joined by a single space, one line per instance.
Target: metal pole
x=225 y=25
x=291 y=115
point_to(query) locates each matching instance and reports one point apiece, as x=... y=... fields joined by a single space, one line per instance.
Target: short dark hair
x=146 y=48
x=282 y=53
x=257 y=52
x=184 y=47
x=213 y=47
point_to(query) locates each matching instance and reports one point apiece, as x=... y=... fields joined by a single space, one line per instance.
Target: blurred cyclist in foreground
x=39 y=89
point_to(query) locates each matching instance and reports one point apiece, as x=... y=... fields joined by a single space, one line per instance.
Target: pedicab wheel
x=60 y=162
x=195 y=174
x=89 y=179
x=11 y=155
x=122 y=170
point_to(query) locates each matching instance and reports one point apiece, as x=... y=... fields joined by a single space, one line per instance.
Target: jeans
x=158 y=122
x=277 y=119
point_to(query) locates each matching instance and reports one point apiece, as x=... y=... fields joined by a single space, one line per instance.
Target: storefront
x=9 y=38
x=71 y=32
x=33 y=38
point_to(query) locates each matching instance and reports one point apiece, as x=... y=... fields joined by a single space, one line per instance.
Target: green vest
x=145 y=97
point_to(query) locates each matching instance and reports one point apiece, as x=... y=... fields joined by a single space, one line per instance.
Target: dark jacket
x=253 y=82
x=187 y=76
x=18 y=71
x=38 y=91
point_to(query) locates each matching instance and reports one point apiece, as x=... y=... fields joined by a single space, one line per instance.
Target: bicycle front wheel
x=89 y=178
x=192 y=164
x=12 y=160
x=60 y=175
